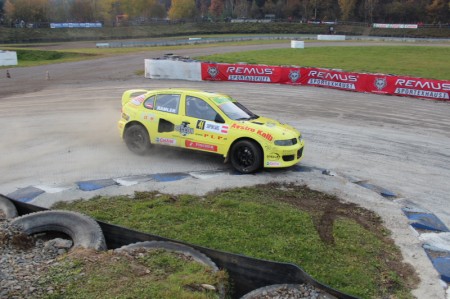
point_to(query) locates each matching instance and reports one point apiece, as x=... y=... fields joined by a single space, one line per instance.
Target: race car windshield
x=237 y=111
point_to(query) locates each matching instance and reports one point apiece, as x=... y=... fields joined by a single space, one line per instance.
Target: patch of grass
x=151 y=273
x=339 y=244
x=27 y=57
x=417 y=61
x=39 y=56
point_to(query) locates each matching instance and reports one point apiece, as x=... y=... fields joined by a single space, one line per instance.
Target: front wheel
x=246 y=156
x=137 y=139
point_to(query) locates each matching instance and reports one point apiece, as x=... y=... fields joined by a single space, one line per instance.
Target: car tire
x=174 y=247
x=137 y=139
x=286 y=291
x=178 y=248
x=246 y=156
x=83 y=230
x=8 y=208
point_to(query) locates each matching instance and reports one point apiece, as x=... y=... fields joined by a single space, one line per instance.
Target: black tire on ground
x=8 y=208
x=246 y=156
x=287 y=291
x=178 y=248
x=137 y=139
x=83 y=230
x=174 y=247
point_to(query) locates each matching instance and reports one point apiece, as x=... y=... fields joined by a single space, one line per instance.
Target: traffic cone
x=8 y=75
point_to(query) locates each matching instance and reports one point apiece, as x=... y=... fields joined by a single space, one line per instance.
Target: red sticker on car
x=201 y=146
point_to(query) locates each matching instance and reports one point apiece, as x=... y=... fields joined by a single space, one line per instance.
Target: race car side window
x=148 y=103
x=198 y=108
x=168 y=103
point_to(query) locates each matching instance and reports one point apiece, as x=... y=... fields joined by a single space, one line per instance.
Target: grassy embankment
x=339 y=244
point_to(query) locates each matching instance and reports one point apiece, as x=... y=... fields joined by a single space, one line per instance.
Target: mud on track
x=59 y=131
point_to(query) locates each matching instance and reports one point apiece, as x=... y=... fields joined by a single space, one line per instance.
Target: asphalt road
x=59 y=131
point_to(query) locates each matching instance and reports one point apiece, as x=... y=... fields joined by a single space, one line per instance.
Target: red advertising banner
x=250 y=73
x=360 y=82
x=332 y=79
x=408 y=86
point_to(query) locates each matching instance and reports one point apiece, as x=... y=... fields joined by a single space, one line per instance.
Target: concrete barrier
x=297 y=44
x=330 y=37
x=8 y=58
x=102 y=45
x=173 y=69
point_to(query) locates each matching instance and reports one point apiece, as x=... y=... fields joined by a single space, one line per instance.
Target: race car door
x=170 y=127
x=210 y=130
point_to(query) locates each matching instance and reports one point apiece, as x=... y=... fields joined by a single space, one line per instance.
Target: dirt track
x=63 y=130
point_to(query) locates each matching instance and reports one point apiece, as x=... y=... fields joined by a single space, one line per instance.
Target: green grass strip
x=265 y=222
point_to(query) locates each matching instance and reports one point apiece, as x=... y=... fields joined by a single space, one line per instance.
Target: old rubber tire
x=284 y=291
x=246 y=156
x=137 y=139
x=83 y=230
x=7 y=207
x=174 y=247
x=178 y=248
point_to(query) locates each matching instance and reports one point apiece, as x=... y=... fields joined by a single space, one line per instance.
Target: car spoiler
x=129 y=94
x=246 y=273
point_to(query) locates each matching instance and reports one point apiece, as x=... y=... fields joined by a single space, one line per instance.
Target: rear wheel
x=137 y=139
x=246 y=156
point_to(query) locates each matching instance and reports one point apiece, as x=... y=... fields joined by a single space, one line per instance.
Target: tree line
x=115 y=12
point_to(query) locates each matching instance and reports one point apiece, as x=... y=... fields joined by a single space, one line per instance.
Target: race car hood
x=273 y=124
x=268 y=128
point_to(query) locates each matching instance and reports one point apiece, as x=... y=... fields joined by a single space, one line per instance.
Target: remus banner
x=336 y=79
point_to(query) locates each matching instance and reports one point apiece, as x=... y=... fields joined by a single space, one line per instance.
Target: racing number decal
x=201 y=124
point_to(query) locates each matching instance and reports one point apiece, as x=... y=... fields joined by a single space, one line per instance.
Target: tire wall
x=246 y=273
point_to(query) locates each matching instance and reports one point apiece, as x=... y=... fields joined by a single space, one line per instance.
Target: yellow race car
x=209 y=122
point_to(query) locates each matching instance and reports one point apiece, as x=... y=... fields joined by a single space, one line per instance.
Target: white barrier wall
x=173 y=69
x=8 y=58
x=330 y=37
x=297 y=44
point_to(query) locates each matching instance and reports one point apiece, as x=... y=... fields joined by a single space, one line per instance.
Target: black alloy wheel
x=246 y=156
x=137 y=139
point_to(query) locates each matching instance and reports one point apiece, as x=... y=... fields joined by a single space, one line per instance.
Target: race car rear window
x=168 y=103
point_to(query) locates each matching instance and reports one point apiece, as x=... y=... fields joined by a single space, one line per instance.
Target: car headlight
x=286 y=142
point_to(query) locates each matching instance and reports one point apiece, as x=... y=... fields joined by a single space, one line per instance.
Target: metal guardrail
x=195 y=41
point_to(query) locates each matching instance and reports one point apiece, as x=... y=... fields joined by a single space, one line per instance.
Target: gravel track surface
x=63 y=130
